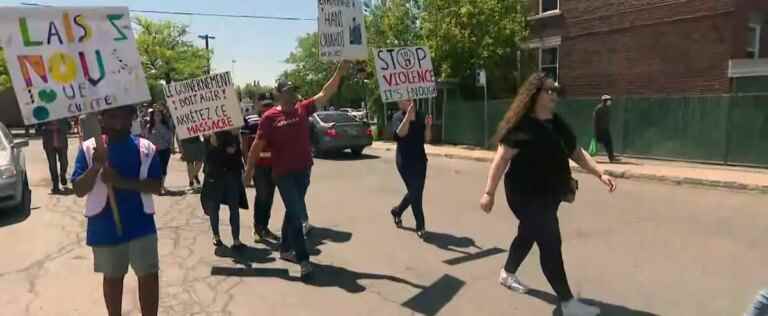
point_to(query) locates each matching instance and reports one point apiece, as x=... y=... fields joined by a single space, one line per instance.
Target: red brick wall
x=681 y=57
x=644 y=47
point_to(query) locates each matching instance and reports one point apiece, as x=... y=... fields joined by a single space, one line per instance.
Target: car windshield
x=335 y=117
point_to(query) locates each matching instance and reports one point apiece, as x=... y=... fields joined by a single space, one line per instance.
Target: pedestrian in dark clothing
x=223 y=184
x=411 y=130
x=263 y=182
x=55 y=144
x=535 y=145
x=602 y=122
x=285 y=128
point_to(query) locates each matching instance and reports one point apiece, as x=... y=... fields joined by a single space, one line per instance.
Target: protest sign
x=204 y=105
x=405 y=73
x=67 y=61
x=341 y=27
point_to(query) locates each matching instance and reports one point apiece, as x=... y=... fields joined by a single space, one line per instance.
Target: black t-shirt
x=218 y=160
x=541 y=166
x=410 y=149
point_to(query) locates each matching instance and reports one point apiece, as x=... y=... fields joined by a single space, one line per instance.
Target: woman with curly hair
x=535 y=145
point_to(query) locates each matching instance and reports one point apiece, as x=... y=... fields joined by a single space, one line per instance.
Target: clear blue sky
x=258 y=46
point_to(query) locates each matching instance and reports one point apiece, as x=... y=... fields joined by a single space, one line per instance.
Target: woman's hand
x=609 y=182
x=486 y=203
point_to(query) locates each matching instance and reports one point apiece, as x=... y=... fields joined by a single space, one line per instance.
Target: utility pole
x=207 y=38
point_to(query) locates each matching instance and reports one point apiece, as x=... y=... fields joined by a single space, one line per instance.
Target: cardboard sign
x=341 y=27
x=68 y=61
x=405 y=73
x=204 y=105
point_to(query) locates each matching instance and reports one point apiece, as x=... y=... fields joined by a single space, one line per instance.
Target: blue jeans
x=293 y=190
x=760 y=307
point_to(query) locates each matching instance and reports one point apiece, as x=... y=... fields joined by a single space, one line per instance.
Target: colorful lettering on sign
x=116 y=17
x=25 y=36
x=68 y=28
x=87 y=30
x=62 y=68
x=87 y=72
x=38 y=66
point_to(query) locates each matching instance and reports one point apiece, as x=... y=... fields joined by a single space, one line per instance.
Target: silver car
x=14 y=185
x=333 y=132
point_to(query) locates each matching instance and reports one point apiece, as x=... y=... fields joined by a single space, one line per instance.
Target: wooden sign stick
x=100 y=146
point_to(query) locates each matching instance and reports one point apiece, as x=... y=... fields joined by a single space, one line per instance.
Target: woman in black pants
x=223 y=184
x=535 y=145
x=411 y=130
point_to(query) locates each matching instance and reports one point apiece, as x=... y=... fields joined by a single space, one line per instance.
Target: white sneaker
x=574 y=307
x=511 y=282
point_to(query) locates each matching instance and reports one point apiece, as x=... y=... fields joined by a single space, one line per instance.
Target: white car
x=14 y=186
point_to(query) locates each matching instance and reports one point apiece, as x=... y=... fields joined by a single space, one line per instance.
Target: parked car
x=358 y=114
x=14 y=185
x=334 y=132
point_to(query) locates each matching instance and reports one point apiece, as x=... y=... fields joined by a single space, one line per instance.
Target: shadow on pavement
x=346 y=156
x=323 y=276
x=433 y=298
x=319 y=236
x=13 y=216
x=246 y=256
x=606 y=309
x=448 y=242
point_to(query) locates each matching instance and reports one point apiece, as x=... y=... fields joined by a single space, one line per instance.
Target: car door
x=17 y=155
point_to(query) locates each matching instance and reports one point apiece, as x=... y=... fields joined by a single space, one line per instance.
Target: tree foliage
x=466 y=35
x=167 y=54
x=5 y=80
x=251 y=91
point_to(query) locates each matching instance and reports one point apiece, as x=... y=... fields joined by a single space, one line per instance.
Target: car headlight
x=7 y=172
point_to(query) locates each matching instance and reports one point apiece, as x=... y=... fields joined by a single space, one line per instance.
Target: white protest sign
x=405 y=73
x=341 y=27
x=67 y=61
x=204 y=105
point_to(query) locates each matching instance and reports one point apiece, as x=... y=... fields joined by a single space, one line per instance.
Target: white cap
x=606 y=97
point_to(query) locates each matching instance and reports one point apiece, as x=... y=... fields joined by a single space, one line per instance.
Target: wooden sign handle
x=100 y=146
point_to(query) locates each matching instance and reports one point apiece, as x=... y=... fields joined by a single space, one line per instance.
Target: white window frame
x=541 y=7
x=756 y=49
x=556 y=64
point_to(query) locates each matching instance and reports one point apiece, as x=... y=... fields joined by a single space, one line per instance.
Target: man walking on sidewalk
x=602 y=124
x=285 y=128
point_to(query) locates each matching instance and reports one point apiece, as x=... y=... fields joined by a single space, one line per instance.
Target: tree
x=5 y=79
x=251 y=91
x=167 y=54
x=465 y=35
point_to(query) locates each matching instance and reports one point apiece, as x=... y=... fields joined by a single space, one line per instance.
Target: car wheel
x=358 y=151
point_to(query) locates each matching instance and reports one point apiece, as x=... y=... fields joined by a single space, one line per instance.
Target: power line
x=218 y=15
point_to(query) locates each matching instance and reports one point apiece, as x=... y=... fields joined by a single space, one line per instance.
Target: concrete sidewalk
x=736 y=178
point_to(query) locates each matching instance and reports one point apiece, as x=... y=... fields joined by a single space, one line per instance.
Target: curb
x=628 y=175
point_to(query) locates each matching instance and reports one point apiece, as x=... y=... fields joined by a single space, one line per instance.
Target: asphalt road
x=648 y=249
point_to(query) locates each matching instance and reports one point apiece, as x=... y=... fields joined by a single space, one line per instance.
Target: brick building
x=652 y=47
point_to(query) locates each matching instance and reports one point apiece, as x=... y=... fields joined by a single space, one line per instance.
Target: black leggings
x=539 y=224
x=414 y=177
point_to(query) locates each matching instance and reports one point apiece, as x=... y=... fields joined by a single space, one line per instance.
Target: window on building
x=549 y=59
x=549 y=5
x=753 y=41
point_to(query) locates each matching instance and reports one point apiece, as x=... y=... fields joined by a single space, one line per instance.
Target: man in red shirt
x=285 y=128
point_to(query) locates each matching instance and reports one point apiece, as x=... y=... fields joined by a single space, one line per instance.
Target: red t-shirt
x=287 y=134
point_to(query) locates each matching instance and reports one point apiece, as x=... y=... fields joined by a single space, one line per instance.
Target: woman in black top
x=411 y=130
x=223 y=184
x=535 y=145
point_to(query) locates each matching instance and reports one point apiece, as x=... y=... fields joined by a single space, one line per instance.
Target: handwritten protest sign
x=405 y=73
x=342 y=30
x=67 y=61
x=204 y=105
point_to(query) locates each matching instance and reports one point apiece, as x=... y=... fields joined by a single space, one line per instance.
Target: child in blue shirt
x=129 y=165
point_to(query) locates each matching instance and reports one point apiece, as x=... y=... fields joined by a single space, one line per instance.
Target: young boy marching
x=129 y=165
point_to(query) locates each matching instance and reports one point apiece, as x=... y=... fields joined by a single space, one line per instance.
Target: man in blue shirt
x=131 y=168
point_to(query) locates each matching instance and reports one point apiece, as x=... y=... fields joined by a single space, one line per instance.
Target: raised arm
x=332 y=86
x=504 y=155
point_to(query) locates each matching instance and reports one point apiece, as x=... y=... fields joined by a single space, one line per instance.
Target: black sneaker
x=267 y=234
x=288 y=256
x=217 y=242
x=396 y=218
x=238 y=246
x=306 y=269
x=64 y=181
